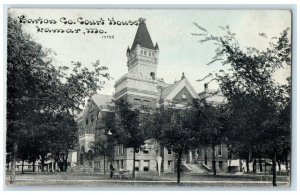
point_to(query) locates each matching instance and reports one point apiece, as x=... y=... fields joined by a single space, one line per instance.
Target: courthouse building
x=142 y=88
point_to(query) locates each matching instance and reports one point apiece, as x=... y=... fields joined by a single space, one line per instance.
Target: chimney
x=205 y=86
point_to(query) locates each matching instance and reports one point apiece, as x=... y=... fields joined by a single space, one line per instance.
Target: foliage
x=42 y=99
x=128 y=129
x=173 y=129
x=255 y=100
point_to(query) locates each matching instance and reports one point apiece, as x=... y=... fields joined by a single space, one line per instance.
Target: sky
x=171 y=29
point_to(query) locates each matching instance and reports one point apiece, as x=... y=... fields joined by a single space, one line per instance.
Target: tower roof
x=142 y=36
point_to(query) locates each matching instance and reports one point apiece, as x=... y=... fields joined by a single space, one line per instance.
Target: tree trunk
x=133 y=168
x=178 y=167
x=279 y=165
x=241 y=165
x=265 y=164
x=104 y=165
x=214 y=160
x=286 y=163
x=13 y=164
x=23 y=166
x=205 y=156
x=247 y=161
x=254 y=166
x=260 y=165
x=33 y=166
x=66 y=163
x=42 y=163
x=53 y=166
x=274 y=169
x=247 y=165
x=61 y=166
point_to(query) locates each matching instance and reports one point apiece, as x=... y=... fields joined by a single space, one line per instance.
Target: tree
x=174 y=130
x=208 y=125
x=250 y=89
x=128 y=129
x=35 y=86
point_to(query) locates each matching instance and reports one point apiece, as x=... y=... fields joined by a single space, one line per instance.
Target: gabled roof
x=142 y=37
x=166 y=91
x=171 y=91
x=102 y=100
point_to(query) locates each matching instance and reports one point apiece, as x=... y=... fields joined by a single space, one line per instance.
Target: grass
x=149 y=179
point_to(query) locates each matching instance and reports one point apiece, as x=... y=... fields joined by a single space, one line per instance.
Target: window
x=169 y=151
x=142 y=52
x=146 y=165
x=97 y=165
x=146 y=151
x=221 y=165
x=169 y=164
x=137 y=150
x=29 y=166
x=86 y=121
x=122 y=164
x=137 y=165
x=145 y=53
x=123 y=150
x=183 y=97
x=219 y=150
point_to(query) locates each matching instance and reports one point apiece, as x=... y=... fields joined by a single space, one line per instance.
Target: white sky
x=171 y=29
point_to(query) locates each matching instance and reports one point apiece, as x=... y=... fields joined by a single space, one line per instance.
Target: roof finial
x=142 y=20
x=156 y=46
x=182 y=77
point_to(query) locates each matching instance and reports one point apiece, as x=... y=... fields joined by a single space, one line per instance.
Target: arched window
x=183 y=96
